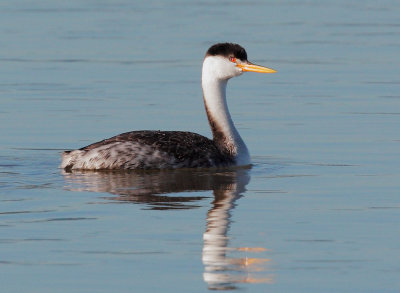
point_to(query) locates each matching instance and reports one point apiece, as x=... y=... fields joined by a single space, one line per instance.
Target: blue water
x=319 y=209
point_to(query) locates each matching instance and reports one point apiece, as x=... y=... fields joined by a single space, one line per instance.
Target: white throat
x=215 y=76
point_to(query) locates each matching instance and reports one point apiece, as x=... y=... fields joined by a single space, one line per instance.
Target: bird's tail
x=69 y=159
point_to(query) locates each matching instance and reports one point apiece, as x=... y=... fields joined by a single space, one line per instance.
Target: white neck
x=224 y=131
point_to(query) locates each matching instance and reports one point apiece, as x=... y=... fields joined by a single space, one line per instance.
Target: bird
x=155 y=149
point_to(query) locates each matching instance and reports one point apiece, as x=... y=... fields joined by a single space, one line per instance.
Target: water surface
x=318 y=210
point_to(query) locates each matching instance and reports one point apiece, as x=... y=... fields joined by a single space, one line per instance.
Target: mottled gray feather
x=179 y=149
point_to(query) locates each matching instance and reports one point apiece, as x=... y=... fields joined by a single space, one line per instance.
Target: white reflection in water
x=159 y=190
x=222 y=272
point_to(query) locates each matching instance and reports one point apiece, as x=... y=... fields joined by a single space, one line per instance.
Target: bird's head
x=227 y=60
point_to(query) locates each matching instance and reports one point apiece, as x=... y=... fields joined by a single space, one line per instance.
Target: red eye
x=232 y=59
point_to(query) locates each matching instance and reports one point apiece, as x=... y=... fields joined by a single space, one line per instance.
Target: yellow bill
x=255 y=68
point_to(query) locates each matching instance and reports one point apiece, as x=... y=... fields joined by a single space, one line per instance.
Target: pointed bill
x=255 y=68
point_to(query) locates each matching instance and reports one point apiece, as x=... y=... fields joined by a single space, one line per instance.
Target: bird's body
x=178 y=149
x=149 y=150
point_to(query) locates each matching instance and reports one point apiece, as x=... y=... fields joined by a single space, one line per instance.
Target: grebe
x=178 y=149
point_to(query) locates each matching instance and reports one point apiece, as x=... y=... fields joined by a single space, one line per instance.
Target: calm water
x=319 y=210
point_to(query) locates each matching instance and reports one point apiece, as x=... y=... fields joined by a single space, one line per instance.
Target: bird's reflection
x=222 y=272
x=171 y=189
